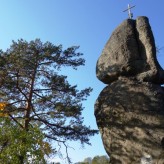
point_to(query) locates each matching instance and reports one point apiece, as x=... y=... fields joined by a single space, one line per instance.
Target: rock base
x=130 y=117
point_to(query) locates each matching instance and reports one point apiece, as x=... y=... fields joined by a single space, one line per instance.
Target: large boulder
x=130 y=51
x=130 y=117
x=130 y=109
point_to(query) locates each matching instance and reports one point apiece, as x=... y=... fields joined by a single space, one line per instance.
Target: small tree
x=36 y=95
x=96 y=160
x=88 y=160
x=16 y=143
x=100 y=160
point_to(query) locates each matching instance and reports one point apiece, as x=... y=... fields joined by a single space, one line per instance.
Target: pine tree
x=36 y=94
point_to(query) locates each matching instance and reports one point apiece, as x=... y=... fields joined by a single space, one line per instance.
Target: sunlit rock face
x=130 y=109
x=130 y=52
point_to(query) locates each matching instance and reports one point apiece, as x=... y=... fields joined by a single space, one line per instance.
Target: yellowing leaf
x=2 y=107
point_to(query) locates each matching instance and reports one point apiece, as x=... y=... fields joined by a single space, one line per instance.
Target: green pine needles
x=41 y=104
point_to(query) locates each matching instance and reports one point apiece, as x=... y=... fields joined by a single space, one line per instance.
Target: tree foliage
x=100 y=160
x=38 y=96
x=16 y=143
x=96 y=160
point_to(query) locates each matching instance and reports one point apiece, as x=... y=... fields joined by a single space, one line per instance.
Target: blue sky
x=87 y=23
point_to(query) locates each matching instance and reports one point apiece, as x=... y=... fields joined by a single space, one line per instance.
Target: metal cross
x=129 y=11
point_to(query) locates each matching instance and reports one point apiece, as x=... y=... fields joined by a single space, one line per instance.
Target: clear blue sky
x=87 y=23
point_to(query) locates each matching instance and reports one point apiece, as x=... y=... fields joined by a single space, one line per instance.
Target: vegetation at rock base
x=96 y=160
x=41 y=105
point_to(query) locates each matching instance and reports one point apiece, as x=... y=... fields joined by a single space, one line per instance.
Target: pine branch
x=15 y=121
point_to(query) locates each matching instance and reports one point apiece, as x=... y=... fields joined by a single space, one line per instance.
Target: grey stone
x=130 y=117
x=130 y=109
x=130 y=52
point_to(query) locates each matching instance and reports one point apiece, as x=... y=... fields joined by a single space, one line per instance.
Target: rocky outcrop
x=130 y=109
x=130 y=52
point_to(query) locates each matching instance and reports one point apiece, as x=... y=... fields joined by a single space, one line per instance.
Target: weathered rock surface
x=130 y=51
x=130 y=109
x=130 y=117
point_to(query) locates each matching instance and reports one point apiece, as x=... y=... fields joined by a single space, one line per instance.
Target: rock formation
x=130 y=109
